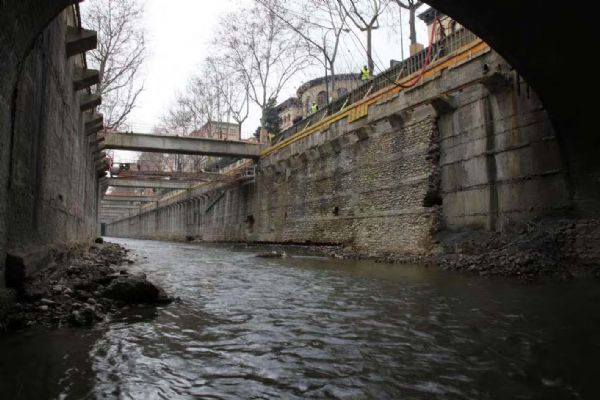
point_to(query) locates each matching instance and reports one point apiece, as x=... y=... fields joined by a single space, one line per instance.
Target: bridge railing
x=412 y=65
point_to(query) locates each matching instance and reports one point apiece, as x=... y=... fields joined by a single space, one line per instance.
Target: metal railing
x=412 y=65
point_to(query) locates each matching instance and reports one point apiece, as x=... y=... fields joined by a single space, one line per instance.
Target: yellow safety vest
x=314 y=108
x=365 y=74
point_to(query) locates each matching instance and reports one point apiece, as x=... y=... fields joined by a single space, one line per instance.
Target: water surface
x=309 y=328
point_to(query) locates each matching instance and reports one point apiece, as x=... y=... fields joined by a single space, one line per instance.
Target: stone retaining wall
x=48 y=195
x=468 y=149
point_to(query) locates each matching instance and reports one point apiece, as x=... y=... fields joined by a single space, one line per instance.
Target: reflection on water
x=312 y=328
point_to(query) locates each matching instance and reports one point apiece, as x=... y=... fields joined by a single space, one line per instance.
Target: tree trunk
x=332 y=69
x=370 y=62
x=413 y=27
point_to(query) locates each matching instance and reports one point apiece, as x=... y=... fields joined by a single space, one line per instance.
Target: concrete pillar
x=490 y=163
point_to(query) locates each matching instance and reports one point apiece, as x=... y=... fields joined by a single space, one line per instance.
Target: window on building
x=322 y=98
x=342 y=92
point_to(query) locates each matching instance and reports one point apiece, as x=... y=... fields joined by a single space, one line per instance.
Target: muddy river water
x=310 y=328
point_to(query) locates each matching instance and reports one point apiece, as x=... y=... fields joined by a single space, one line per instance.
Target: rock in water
x=99 y=240
x=273 y=254
x=134 y=289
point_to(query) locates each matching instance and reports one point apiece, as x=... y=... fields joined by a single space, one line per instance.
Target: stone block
x=536 y=159
x=296 y=161
x=281 y=166
x=85 y=78
x=463 y=175
x=21 y=264
x=474 y=201
x=496 y=82
x=89 y=101
x=8 y=297
x=313 y=153
x=80 y=40
x=93 y=119
x=444 y=104
x=537 y=194
x=362 y=133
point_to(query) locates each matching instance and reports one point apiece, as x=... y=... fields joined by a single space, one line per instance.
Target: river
x=311 y=328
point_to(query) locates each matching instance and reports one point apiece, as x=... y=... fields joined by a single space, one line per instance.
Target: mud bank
x=81 y=290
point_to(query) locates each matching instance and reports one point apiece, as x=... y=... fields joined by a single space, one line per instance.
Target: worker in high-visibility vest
x=365 y=74
x=314 y=108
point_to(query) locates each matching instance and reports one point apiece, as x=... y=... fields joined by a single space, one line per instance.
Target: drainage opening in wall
x=432 y=199
x=336 y=211
x=250 y=222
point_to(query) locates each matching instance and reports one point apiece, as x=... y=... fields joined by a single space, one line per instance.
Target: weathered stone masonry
x=48 y=180
x=468 y=149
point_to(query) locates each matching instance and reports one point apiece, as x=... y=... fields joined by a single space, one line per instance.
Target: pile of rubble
x=551 y=247
x=81 y=290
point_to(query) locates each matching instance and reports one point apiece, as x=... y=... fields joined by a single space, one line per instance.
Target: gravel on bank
x=81 y=290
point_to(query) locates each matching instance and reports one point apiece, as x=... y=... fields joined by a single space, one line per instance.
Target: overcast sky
x=178 y=35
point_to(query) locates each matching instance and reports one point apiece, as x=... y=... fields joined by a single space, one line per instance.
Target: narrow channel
x=309 y=328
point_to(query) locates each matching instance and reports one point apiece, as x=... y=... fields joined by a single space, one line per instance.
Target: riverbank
x=81 y=290
x=556 y=248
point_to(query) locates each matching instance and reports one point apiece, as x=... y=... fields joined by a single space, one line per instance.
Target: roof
x=218 y=123
x=291 y=102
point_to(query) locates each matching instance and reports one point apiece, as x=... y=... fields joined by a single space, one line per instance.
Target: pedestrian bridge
x=181 y=145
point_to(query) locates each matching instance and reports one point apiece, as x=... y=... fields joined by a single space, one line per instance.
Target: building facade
x=289 y=112
x=295 y=108
x=218 y=130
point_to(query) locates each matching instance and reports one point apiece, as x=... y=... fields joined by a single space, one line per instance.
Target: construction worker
x=365 y=74
x=314 y=108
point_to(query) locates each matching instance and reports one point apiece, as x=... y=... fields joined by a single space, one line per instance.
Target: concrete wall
x=469 y=149
x=21 y=21
x=500 y=159
x=48 y=180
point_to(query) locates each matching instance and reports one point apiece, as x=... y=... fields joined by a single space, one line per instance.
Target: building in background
x=218 y=130
x=314 y=90
x=290 y=111
x=294 y=108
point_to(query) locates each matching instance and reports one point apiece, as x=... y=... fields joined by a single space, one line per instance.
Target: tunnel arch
x=524 y=33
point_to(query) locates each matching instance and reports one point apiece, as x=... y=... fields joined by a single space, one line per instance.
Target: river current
x=311 y=328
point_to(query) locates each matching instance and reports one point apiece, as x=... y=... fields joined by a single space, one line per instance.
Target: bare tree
x=365 y=14
x=119 y=55
x=314 y=21
x=411 y=6
x=259 y=46
x=231 y=89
